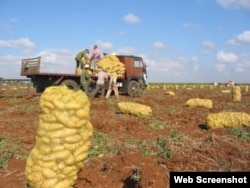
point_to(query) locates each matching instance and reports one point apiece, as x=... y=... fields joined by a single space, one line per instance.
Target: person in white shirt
x=100 y=83
x=112 y=86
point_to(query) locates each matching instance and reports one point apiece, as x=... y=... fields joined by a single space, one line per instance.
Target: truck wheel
x=132 y=86
x=71 y=84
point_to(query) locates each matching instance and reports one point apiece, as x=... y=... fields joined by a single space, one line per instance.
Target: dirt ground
x=199 y=149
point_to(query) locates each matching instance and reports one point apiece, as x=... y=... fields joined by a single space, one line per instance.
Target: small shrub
x=8 y=149
x=241 y=132
x=175 y=135
x=157 y=125
x=164 y=152
x=102 y=144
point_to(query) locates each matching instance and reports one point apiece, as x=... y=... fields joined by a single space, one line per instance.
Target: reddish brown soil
x=200 y=149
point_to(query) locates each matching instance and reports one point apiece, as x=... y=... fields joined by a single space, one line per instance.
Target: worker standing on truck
x=81 y=58
x=85 y=79
x=96 y=55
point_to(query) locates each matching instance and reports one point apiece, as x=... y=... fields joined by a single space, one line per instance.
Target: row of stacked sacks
x=78 y=71
x=112 y=64
x=213 y=120
x=108 y=62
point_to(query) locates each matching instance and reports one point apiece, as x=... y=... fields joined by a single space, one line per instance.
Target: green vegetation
x=102 y=144
x=173 y=110
x=241 y=132
x=157 y=125
x=164 y=151
x=9 y=148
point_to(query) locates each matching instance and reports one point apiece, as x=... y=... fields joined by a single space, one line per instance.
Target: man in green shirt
x=80 y=58
x=84 y=79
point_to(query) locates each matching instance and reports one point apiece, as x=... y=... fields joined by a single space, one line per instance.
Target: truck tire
x=71 y=84
x=132 y=88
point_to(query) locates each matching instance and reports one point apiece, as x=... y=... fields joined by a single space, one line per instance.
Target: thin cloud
x=220 y=67
x=122 y=33
x=240 y=68
x=48 y=56
x=10 y=58
x=234 y=3
x=8 y=27
x=126 y=50
x=57 y=56
x=13 y=20
x=104 y=45
x=196 y=67
x=194 y=59
x=57 y=61
x=243 y=38
x=131 y=18
x=158 y=45
x=208 y=44
x=191 y=25
x=23 y=42
x=205 y=52
x=226 y=57
x=164 y=65
x=182 y=59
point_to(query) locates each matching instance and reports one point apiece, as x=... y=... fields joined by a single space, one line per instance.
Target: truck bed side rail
x=30 y=66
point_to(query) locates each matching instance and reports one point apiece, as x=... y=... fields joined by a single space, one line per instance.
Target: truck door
x=137 y=68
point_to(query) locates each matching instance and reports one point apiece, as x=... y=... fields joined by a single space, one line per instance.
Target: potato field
x=136 y=141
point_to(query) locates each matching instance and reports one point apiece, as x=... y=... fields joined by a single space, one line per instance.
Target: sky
x=181 y=41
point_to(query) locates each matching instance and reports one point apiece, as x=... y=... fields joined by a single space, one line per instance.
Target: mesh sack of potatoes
x=87 y=61
x=227 y=119
x=171 y=93
x=236 y=93
x=78 y=71
x=62 y=141
x=207 y=103
x=135 y=109
x=112 y=64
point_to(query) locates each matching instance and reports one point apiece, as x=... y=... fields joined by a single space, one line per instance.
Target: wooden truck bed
x=31 y=67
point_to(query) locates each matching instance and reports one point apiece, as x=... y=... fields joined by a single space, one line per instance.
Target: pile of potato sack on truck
x=110 y=62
